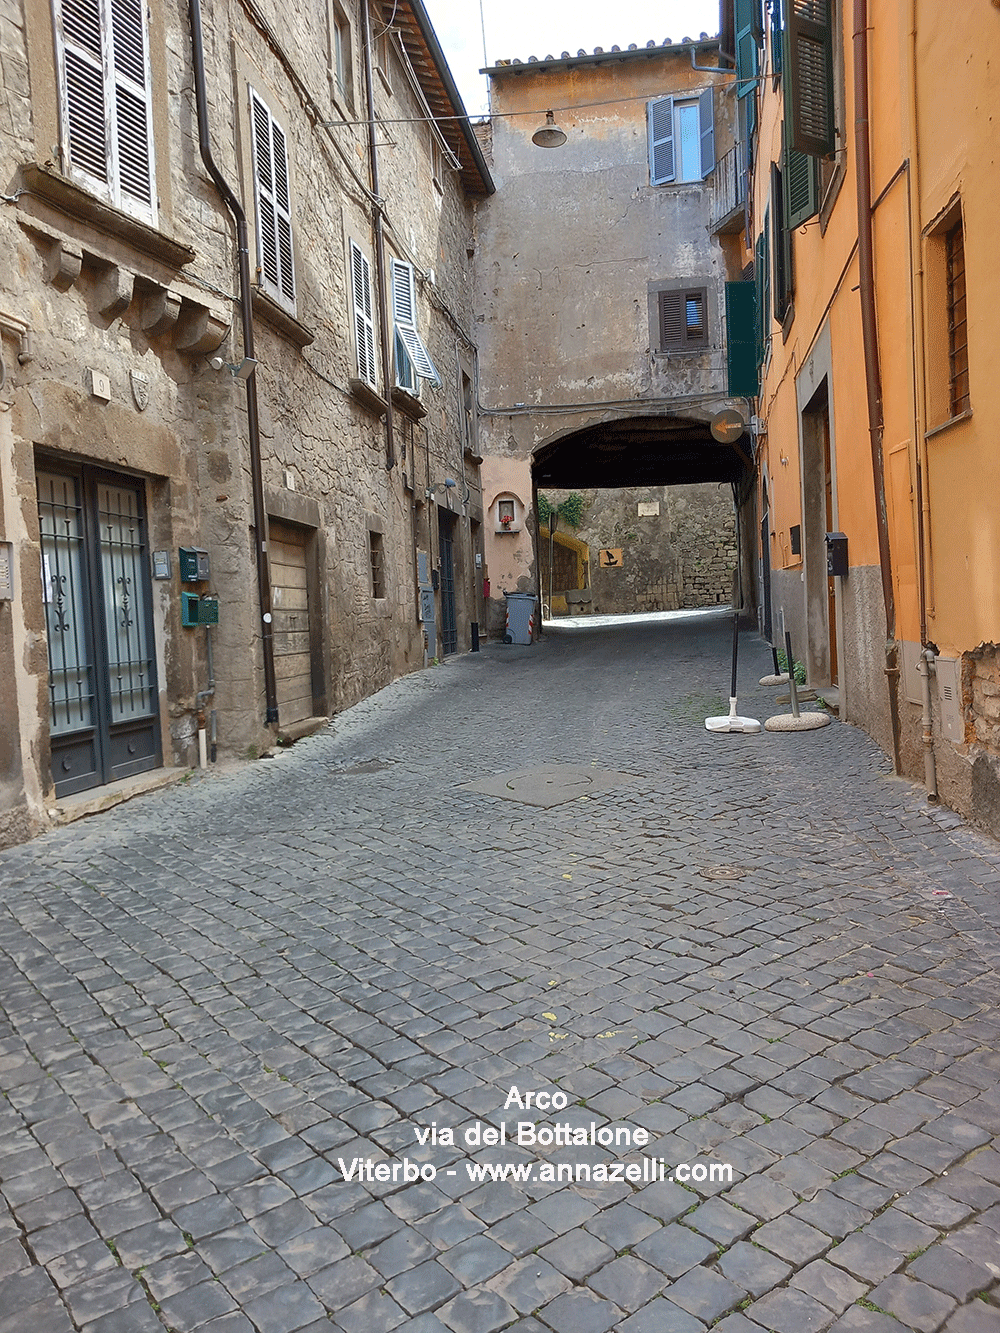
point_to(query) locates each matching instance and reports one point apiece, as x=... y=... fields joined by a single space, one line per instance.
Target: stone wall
x=678 y=546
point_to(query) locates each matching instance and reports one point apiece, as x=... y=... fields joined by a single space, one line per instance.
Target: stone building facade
x=316 y=517
x=600 y=273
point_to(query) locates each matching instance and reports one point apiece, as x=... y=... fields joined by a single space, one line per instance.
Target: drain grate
x=724 y=872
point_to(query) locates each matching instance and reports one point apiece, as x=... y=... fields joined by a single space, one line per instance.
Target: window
x=683 y=320
x=412 y=357
x=104 y=90
x=958 y=328
x=275 y=268
x=681 y=138
x=341 y=59
x=364 y=324
x=376 y=552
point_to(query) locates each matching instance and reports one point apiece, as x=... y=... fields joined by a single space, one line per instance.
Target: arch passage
x=640 y=451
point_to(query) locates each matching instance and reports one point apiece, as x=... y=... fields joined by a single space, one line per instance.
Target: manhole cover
x=550 y=784
x=723 y=872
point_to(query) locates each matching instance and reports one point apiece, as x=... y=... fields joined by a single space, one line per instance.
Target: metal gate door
x=449 y=631
x=96 y=588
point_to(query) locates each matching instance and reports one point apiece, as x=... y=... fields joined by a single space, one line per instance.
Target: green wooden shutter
x=801 y=184
x=777 y=37
x=746 y=46
x=808 y=77
x=780 y=245
x=660 y=117
x=762 y=277
x=741 y=340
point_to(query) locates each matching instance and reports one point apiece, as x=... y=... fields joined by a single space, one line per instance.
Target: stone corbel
x=113 y=292
x=200 y=330
x=62 y=265
x=160 y=311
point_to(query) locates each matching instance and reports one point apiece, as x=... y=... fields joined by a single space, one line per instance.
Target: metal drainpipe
x=246 y=313
x=377 y=209
x=873 y=371
x=927 y=653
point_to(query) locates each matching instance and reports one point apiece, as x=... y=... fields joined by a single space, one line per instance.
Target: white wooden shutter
x=660 y=115
x=274 y=215
x=364 y=326
x=404 y=315
x=103 y=51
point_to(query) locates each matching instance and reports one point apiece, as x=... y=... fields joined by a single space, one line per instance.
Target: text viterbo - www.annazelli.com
x=645 y=1171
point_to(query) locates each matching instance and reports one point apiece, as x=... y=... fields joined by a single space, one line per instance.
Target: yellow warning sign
x=611 y=557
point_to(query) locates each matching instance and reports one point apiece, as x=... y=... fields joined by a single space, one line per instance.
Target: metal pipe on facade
x=246 y=313
x=927 y=653
x=377 y=231
x=873 y=371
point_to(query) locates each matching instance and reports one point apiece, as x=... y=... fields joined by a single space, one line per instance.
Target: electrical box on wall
x=197 y=610
x=6 y=572
x=836 y=554
x=948 y=671
x=194 y=564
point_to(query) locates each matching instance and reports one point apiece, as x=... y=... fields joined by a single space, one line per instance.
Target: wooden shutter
x=777 y=36
x=274 y=218
x=683 y=319
x=404 y=315
x=364 y=326
x=780 y=245
x=706 y=126
x=660 y=116
x=808 y=76
x=105 y=99
x=762 y=276
x=747 y=22
x=800 y=178
x=741 y=340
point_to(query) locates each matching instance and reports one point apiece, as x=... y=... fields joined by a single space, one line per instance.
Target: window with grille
x=102 y=48
x=683 y=320
x=958 y=331
x=273 y=203
x=377 y=553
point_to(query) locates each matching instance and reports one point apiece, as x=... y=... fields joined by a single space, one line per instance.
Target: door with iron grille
x=449 y=630
x=103 y=721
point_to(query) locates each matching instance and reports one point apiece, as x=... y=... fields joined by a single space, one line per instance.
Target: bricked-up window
x=102 y=48
x=377 y=553
x=683 y=320
x=958 y=329
x=273 y=203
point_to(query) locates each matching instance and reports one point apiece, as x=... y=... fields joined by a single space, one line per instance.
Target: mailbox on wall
x=194 y=564
x=197 y=610
x=836 y=554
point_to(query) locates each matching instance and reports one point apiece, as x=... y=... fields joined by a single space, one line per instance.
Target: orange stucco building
x=875 y=174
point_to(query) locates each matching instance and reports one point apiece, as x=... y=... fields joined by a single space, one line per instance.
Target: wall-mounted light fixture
x=449 y=484
x=243 y=371
x=549 y=135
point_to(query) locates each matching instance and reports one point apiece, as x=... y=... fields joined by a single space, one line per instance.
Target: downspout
x=873 y=371
x=927 y=652
x=378 y=208
x=246 y=315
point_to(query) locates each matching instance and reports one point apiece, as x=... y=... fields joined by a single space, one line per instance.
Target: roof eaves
x=599 y=57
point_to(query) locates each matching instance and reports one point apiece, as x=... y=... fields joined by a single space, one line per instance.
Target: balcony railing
x=730 y=190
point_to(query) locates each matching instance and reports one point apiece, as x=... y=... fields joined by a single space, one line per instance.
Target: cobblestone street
x=226 y=1004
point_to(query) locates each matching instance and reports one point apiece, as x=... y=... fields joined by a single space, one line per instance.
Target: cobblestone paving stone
x=764 y=950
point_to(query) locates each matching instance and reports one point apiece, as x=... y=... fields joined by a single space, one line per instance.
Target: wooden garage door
x=290 y=598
